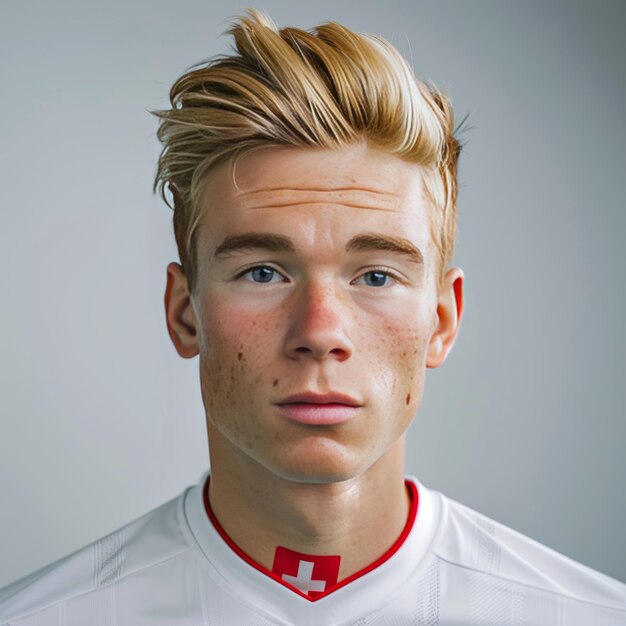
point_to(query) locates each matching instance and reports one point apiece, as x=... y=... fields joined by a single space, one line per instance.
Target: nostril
x=317 y=330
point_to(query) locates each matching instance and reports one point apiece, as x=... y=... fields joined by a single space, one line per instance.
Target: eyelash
x=251 y=268
x=383 y=270
x=380 y=269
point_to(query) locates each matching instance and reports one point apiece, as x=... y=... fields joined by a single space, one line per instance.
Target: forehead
x=316 y=191
x=358 y=167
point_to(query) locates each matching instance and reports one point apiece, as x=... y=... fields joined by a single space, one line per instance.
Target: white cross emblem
x=303 y=580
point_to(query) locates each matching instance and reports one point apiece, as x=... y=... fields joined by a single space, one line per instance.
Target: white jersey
x=174 y=566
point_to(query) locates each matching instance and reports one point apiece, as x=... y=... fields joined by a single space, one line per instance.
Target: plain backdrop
x=103 y=421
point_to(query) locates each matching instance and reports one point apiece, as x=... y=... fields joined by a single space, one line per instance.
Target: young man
x=314 y=190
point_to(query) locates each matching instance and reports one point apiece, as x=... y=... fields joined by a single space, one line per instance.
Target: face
x=317 y=308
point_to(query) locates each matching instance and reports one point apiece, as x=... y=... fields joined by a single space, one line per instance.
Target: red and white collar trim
x=373 y=589
x=413 y=508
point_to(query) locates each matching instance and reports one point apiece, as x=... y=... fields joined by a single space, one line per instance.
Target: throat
x=315 y=574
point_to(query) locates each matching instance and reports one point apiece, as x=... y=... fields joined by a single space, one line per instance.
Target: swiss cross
x=311 y=574
x=303 y=580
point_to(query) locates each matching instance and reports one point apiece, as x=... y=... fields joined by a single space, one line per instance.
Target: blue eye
x=262 y=274
x=376 y=278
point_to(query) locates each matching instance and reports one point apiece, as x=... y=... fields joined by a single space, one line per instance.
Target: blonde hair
x=329 y=88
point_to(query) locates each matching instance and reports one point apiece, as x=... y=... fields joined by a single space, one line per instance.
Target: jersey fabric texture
x=173 y=567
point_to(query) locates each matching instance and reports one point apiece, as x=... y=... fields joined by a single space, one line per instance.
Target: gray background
x=102 y=421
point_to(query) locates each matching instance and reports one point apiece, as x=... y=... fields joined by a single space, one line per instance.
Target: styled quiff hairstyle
x=325 y=88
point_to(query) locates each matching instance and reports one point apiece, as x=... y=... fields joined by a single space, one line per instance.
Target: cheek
x=412 y=363
x=397 y=355
x=409 y=366
x=234 y=356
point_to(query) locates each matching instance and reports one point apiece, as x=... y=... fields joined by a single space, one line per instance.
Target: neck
x=357 y=519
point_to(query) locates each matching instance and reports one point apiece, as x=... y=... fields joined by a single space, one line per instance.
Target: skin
x=362 y=322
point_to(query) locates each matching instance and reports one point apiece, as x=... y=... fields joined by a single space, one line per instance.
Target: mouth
x=319 y=409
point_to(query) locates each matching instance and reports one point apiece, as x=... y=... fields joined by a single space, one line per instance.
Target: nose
x=318 y=325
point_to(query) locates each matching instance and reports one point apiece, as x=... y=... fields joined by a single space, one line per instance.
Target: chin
x=317 y=463
x=317 y=477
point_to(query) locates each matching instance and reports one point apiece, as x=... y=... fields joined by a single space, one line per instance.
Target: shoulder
x=153 y=538
x=501 y=557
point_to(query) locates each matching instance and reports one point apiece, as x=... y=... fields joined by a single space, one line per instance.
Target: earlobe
x=449 y=313
x=179 y=314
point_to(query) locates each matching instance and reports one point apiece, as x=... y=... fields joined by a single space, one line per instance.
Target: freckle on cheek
x=408 y=398
x=275 y=382
x=240 y=355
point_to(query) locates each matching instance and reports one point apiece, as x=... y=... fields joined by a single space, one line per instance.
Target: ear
x=449 y=313
x=181 y=320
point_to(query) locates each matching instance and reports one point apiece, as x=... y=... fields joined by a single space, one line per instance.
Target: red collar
x=414 y=500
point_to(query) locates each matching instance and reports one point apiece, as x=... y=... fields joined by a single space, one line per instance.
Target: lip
x=318 y=409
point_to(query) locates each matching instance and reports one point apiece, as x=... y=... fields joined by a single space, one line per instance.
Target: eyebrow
x=373 y=241
x=363 y=242
x=265 y=241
